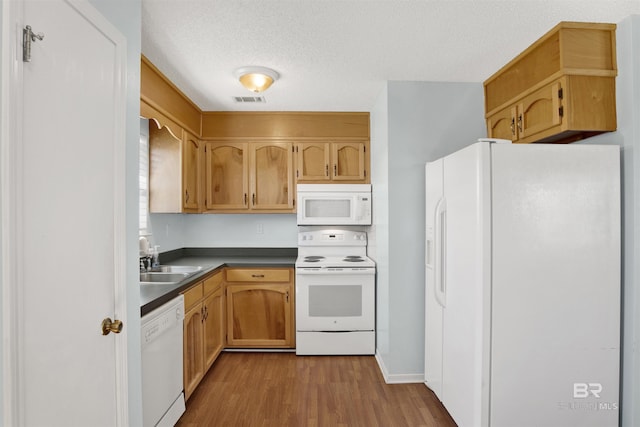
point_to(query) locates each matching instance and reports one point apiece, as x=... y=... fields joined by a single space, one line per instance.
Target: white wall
x=126 y=15
x=412 y=123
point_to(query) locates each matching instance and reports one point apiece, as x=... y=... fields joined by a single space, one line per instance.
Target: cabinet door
x=226 y=175
x=192 y=151
x=272 y=176
x=539 y=111
x=213 y=327
x=193 y=363
x=259 y=315
x=502 y=125
x=348 y=160
x=165 y=170
x=313 y=161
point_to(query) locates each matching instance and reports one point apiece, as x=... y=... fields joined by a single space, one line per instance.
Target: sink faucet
x=145 y=254
x=145 y=263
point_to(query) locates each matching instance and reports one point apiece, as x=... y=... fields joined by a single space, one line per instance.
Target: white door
x=69 y=198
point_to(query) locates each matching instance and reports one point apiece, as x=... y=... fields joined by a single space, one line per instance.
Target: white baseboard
x=397 y=378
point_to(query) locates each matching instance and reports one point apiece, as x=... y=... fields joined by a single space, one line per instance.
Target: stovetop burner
x=333 y=250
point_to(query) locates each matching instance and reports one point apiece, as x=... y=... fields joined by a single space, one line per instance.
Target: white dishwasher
x=162 y=389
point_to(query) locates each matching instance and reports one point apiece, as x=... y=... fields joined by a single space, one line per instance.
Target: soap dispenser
x=155 y=256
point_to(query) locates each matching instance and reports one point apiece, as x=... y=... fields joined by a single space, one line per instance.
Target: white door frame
x=12 y=264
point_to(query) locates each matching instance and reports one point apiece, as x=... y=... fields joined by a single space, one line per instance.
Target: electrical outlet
x=259 y=228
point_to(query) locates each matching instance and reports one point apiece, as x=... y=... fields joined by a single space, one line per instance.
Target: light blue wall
x=126 y=15
x=412 y=123
x=173 y=231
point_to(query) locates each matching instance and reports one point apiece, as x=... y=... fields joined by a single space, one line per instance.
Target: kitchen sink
x=177 y=269
x=159 y=277
x=168 y=274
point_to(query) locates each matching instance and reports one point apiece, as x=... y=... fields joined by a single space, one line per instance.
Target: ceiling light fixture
x=256 y=79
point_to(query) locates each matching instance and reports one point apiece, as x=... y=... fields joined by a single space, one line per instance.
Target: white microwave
x=334 y=204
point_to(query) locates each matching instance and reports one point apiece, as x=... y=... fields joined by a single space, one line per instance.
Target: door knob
x=111 y=326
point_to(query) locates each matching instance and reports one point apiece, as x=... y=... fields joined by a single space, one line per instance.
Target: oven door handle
x=335 y=270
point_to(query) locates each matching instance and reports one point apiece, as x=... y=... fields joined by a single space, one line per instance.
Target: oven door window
x=330 y=301
x=335 y=302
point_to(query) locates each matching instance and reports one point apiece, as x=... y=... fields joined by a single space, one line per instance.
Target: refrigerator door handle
x=440 y=252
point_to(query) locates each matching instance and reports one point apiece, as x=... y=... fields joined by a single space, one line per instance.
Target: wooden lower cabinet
x=203 y=329
x=260 y=308
x=193 y=361
x=214 y=327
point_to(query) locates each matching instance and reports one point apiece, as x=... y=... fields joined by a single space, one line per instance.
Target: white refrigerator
x=523 y=284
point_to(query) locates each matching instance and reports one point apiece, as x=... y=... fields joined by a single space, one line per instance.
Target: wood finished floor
x=282 y=389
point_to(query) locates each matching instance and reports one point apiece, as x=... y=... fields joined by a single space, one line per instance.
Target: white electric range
x=335 y=293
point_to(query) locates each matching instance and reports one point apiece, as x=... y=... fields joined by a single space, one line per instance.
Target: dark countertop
x=210 y=259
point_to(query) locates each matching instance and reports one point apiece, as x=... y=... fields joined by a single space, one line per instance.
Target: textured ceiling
x=336 y=55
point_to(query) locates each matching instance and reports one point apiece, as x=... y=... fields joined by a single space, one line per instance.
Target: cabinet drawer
x=212 y=283
x=258 y=275
x=193 y=295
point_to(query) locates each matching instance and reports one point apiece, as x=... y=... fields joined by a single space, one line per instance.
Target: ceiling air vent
x=250 y=99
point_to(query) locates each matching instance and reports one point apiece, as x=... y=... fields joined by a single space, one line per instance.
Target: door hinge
x=28 y=37
x=561 y=111
x=560 y=94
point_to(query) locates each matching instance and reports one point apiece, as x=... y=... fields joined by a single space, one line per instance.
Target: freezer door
x=556 y=285
x=466 y=280
x=433 y=308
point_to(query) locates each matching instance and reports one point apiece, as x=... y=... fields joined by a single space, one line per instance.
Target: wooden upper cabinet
x=192 y=173
x=348 y=161
x=502 y=124
x=560 y=89
x=271 y=176
x=313 y=160
x=344 y=161
x=175 y=171
x=227 y=180
x=249 y=176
